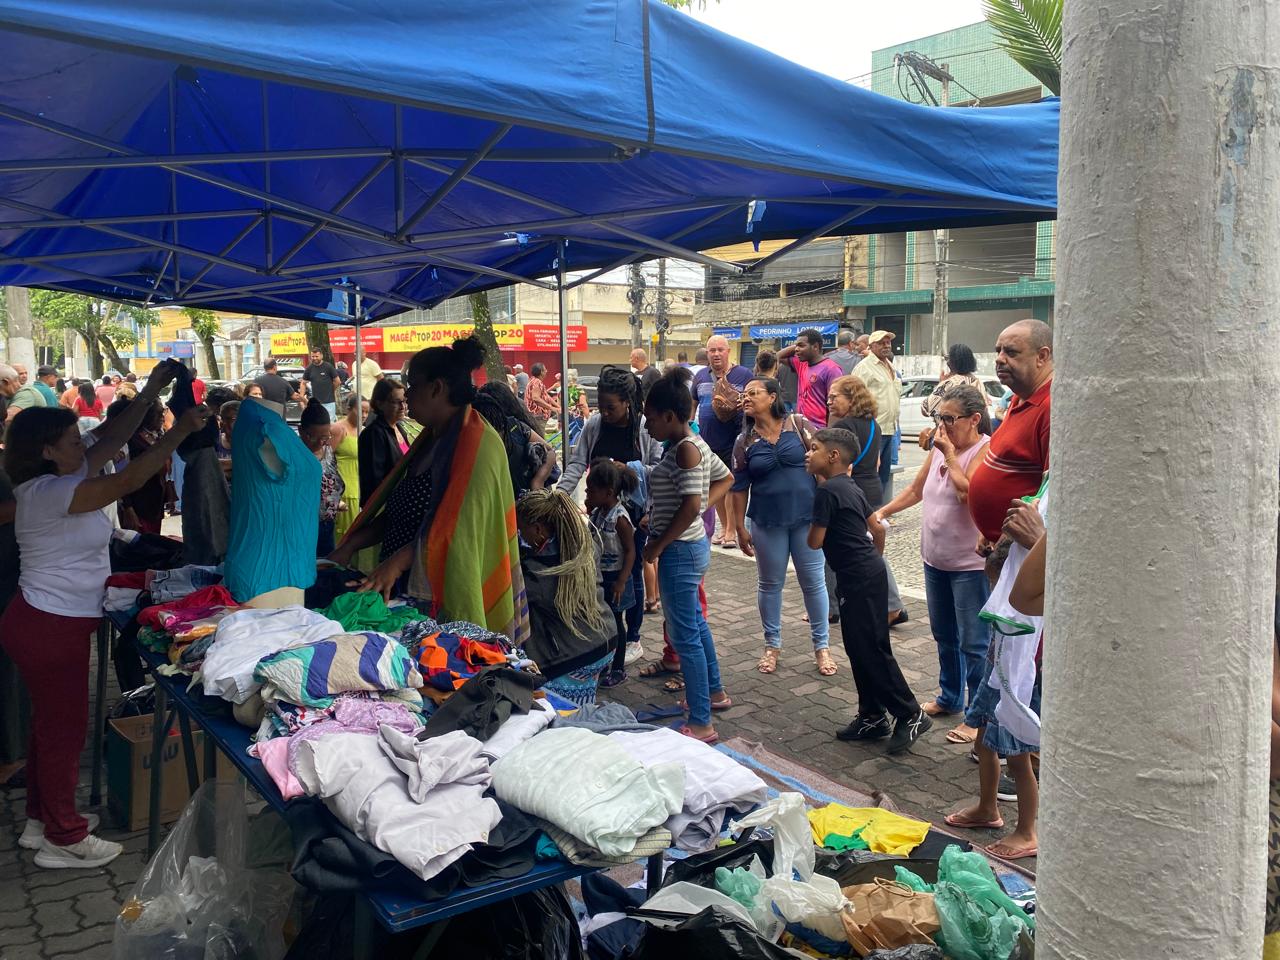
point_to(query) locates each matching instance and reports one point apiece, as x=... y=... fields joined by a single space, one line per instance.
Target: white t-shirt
x=65 y=556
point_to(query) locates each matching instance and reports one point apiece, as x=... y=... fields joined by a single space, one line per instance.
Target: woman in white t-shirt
x=64 y=535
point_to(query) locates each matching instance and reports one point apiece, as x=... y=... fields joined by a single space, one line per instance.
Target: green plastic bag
x=971 y=930
x=979 y=920
x=740 y=885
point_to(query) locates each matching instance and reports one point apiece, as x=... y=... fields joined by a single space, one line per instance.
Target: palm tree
x=1030 y=31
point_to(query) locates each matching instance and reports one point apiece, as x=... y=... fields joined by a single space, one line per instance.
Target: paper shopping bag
x=887 y=915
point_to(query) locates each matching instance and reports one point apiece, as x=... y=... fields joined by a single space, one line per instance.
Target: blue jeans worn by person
x=955 y=598
x=774 y=547
x=681 y=567
x=886 y=465
x=325 y=538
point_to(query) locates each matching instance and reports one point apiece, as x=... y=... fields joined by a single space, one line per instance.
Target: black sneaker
x=866 y=728
x=908 y=730
x=1007 y=790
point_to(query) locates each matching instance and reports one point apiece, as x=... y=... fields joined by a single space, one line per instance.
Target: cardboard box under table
x=129 y=743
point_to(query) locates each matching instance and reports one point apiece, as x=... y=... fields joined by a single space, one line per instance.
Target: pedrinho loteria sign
x=410 y=339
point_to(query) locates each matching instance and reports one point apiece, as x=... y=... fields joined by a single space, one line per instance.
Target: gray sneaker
x=92 y=851
x=33 y=832
x=1007 y=790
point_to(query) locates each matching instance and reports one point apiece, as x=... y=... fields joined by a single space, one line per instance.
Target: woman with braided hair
x=572 y=634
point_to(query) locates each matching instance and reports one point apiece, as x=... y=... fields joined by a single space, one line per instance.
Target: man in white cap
x=876 y=371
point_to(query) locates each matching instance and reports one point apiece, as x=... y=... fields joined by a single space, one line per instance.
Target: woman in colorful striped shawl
x=444 y=518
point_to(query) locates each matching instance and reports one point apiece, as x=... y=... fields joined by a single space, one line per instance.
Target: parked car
x=916 y=389
x=293 y=409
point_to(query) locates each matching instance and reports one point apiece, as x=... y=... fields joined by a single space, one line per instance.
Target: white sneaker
x=33 y=832
x=634 y=652
x=92 y=851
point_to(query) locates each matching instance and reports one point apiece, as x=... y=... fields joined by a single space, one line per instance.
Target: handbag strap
x=871 y=436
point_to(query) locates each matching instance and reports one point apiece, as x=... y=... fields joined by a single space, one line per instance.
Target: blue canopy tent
x=257 y=157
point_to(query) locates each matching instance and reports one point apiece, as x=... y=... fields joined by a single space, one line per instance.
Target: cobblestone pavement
x=70 y=913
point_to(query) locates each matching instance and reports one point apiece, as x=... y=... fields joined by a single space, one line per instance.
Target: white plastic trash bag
x=200 y=895
x=795 y=893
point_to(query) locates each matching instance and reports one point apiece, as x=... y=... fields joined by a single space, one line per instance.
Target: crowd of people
x=449 y=495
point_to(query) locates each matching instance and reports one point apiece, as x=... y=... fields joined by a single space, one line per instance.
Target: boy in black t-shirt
x=840 y=530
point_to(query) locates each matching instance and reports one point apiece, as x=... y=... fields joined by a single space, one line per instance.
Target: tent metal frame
x=278 y=275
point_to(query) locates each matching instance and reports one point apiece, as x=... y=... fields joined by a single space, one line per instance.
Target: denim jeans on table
x=956 y=597
x=774 y=547
x=680 y=569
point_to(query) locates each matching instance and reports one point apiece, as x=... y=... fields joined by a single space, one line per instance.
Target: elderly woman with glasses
x=956 y=585
x=773 y=493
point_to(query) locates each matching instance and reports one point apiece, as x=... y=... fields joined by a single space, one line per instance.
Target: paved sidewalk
x=795 y=712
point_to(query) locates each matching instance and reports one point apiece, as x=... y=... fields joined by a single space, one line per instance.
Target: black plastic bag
x=701 y=867
x=849 y=871
x=534 y=926
x=712 y=933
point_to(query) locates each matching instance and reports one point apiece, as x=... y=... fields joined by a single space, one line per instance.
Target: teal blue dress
x=275 y=507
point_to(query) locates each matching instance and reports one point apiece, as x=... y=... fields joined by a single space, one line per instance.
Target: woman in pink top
x=955 y=583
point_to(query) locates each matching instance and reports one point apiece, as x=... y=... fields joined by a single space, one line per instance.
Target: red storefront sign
x=343 y=339
x=547 y=337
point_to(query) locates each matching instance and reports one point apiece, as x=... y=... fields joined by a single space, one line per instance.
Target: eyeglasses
x=755 y=393
x=948 y=419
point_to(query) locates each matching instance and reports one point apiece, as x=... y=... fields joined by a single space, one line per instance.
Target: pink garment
x=274 y=755
x=355 y=715
x=948 y=534
x=202 y=603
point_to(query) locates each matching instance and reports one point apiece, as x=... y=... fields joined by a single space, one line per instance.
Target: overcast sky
x=836 y=36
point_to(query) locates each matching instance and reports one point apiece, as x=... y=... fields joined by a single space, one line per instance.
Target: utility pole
x=660 y=321
x=635 y=296
x=941 y=248
x=1160 y=640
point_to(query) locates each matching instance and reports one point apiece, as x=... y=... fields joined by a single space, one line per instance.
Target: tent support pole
x=359 y=359
x=564 y=357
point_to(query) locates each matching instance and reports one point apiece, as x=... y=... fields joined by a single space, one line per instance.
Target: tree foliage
x=104 y=326
x=1030 y=31
x=205 y=325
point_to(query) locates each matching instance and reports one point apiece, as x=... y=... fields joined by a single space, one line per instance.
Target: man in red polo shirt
x=1018 y=455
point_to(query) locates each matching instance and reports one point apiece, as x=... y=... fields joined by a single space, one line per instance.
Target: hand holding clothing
x=1023 y=523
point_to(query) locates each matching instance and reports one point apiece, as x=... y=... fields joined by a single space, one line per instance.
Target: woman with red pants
x=63 y=533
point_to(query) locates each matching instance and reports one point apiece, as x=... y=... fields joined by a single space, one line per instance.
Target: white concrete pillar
x=1165 y=446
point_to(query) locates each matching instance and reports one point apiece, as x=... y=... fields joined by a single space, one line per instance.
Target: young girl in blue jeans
x=687 y=480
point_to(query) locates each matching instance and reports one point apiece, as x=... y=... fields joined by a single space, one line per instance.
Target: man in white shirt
x=370 y=373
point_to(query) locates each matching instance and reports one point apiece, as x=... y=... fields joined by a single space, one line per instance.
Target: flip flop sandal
x=1013 y=853
x=955 y=820
x=826 y=665
x=657 y=669
x=674 y=685
x=955 y=736
x=730 y=544
x=768 y=663
x=710 y=738
x=717 y=540
x=651 y=606
x=724 y=704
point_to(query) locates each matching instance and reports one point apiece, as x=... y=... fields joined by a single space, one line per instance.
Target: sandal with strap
x=826 y=663
x=768 y=663
x=657 y=669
